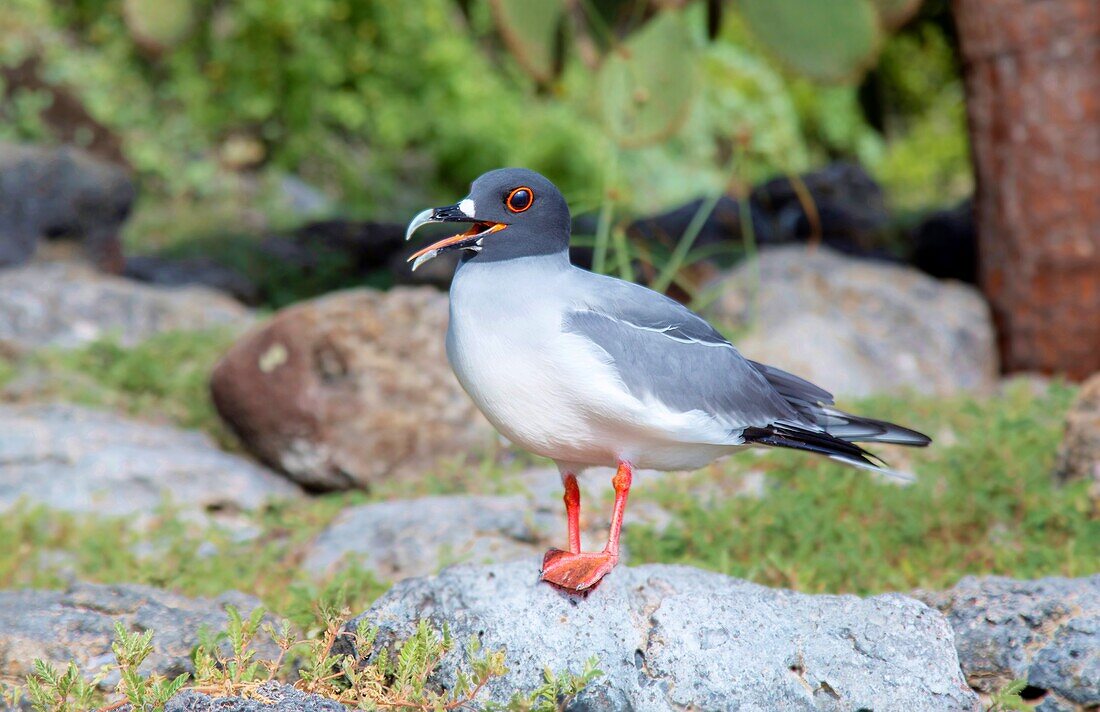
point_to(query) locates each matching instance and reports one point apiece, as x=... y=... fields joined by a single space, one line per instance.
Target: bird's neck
x=497 y=259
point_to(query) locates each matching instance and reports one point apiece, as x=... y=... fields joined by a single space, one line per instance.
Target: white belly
x=553 y=393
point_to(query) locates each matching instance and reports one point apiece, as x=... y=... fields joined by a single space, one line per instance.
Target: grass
x=164 y=378
x=49 y=548
x=983 y=503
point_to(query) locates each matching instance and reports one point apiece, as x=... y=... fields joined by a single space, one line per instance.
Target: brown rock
x=349 y=389
x=1079 y=456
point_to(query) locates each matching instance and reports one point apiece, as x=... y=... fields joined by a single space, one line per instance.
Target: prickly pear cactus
x=647 y=84
x=530 y=29
x=895 y=13
x=827 y=40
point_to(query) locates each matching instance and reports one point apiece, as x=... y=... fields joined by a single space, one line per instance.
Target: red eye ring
x=508 y=202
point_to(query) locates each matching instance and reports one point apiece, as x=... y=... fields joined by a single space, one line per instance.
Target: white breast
x=550 y=392
x=504 y=345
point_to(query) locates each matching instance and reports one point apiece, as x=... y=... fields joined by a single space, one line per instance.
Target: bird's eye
x=519 y=199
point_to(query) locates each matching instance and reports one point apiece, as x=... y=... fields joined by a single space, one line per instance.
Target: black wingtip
x=818 y=442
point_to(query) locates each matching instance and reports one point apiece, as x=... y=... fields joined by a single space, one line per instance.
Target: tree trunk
x=1032 y=71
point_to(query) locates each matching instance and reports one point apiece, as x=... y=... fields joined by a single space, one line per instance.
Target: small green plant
x=326 y=659
x=11 y=696
x=144 y=694
x=555 y=691
x=368 y=678
x=375 y=678
x=53 y=690
x=1008 y=698
x=240 y=668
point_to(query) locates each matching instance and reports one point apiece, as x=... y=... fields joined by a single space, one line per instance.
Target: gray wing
x=663 y=351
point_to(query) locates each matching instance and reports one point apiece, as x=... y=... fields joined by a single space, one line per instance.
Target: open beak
x=469 y=240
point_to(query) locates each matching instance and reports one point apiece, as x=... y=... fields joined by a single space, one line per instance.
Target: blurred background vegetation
x=387 y=106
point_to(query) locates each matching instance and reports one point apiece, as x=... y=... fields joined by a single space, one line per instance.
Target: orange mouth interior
x=477 y=229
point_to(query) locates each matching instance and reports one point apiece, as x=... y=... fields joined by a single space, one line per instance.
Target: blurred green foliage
x=919 y=80
x=390 y=105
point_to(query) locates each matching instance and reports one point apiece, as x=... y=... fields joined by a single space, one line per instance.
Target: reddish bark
x=1032 y=70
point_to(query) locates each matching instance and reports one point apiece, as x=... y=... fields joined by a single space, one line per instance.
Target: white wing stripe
x=680 y=338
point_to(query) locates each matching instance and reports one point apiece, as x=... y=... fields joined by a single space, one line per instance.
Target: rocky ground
x=351 y=392
x=671 y=637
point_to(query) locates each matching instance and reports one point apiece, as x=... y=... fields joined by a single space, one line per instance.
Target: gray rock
x=416 y=537
x=857 y=327
x=61 y=192
x=78 y=625
x=68 y=305
x=1045 y=631
x=274 y=697
x=672 y=637
x=78 y=459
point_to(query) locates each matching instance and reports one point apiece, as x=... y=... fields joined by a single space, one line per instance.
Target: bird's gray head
x=513 y=212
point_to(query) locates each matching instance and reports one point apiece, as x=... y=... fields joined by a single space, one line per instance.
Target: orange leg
x=575 y=570
x=573 y=511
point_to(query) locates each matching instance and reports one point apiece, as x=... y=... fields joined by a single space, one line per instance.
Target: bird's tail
x=857 y=429
x=815 y=405
x=795 y=437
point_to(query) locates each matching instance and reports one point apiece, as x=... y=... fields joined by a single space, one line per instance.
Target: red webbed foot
x=576 y=572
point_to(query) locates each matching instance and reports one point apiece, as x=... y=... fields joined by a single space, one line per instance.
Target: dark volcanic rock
x=1045 y=631
x=723 y=224
x=362 y=245
x=270 y=697
x=61 y=193
x=850 y=208
x=673 y=638
x=205 y=271
x=945 y=244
